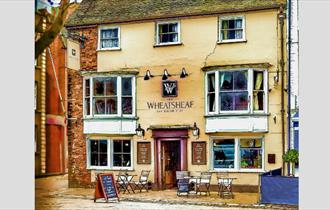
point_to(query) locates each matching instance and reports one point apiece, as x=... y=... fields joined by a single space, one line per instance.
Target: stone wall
x=88 y=55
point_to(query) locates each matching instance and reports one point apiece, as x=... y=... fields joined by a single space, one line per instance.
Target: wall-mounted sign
x=170 y=88
x=198 y=153
x=170 y=105
x=143 y=153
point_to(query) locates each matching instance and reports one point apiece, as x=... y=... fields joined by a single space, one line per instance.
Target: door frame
x=158 y=161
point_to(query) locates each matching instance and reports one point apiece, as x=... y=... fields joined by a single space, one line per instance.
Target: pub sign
x=169 y=88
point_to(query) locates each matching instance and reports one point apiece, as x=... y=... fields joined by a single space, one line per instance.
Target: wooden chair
x=143 y=181
x=204 y=181
x=225 y=185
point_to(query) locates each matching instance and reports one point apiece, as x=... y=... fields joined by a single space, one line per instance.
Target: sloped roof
x=92 y=12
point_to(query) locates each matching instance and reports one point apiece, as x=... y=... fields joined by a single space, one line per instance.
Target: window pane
x=114 y=33
x=240 y=78
x=164 y=38
x=258 y=80
x=117 y=146
x=87 y=106
x=126 y=146
x=173 y=27
x=251 y=153
x=111 y=86
x=238 y=23
x=94 y=160
x=211 y=102
x=241 y=101
x=98 y=86
x=239 y=34
x=99 y=105
x=211 y=82
x=111 y=106
x=173 y=37
x=225 y=24
x=258 y=101
x=226 y=100
x=231 y=34
x=87 y=87
x=127 y=105
x=231 y=24
x=103 y=146
x=126 y=86
x=127 y=160
x=117 y=160
x=114 y=43
x=103 y=159
x=224 y=153
x=94 y=146
x=226 y=80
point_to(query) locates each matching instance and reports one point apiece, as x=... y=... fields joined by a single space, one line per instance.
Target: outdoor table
x=193 y=179
x=125 y=181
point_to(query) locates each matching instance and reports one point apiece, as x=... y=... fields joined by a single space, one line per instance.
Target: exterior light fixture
x=148 y=75
x=183 y=73
x=165 y=75
x=195 y=130
x=139 y=131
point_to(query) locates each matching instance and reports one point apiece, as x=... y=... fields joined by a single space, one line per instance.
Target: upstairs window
x=109 y=38
x=109 y=96
x=236 y=91
x=231 y=29
x=168 y=32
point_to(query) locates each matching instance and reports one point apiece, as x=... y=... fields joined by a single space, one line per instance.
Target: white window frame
x=250 y=110
x=109 y=153
x=99 y=38
x=237 y=165
x=168 y=22
x=220 y=38
x=119 y=97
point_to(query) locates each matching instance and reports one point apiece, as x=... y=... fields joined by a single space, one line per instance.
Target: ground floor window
x=109 y=153
x=238 y=153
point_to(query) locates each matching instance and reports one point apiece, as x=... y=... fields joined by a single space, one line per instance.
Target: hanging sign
x=105 y=187
x=170 y=88
x=199 y=153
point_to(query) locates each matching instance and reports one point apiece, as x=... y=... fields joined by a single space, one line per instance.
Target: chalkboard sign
x=199 y=153
x=105 y=187
x=183 y=185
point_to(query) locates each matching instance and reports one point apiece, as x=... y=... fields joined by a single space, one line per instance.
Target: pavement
x=52 y=193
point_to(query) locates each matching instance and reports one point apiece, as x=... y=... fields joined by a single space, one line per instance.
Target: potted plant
x=291 y=157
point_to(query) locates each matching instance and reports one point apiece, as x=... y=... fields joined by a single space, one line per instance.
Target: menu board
x=198 y=153
x=143 y=153
x=105 y=187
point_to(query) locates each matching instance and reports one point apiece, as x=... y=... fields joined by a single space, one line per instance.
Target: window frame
x=158 y=43
x=250 y=88
x=237 y=165
x=221 y=18
x=119 y=97
x=100 y=28
x=109 y=154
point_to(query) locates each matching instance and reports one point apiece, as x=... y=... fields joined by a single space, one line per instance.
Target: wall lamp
x=165 y=75
x=195 y=130
x=148 y=75
x=139 y=131
x=183 y=73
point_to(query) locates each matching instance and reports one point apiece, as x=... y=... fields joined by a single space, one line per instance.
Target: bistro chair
x=182 y=179
x=225 y=185
x=143 y=181
x=204 y=181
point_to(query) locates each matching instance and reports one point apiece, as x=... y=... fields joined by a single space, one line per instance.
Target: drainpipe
x=281 y=17
x=289 y=76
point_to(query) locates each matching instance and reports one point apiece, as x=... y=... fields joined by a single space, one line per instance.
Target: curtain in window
x=258 y=82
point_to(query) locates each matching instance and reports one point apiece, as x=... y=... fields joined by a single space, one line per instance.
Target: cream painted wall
x=199 y=48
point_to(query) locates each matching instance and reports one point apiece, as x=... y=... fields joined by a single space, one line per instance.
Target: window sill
x=168 y=44
x=238 y=170
x=109 y=49
x=236 y=114
x=110 y=118
x=232 y=41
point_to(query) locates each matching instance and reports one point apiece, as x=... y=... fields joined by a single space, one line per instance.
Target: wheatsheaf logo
x=170 y=88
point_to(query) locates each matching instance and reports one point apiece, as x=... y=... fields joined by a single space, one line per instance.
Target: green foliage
x=291 y=156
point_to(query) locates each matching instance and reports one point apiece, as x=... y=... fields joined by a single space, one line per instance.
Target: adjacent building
x=202 y=83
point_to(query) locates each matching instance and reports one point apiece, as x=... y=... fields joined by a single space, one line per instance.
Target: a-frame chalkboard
x=105 y=187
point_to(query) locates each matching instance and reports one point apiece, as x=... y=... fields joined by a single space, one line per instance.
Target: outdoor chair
x=225 y=185
x=143 y=181
x=204 y=182
x=182 y=179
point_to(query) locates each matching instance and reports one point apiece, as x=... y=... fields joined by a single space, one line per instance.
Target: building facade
x=170 y=69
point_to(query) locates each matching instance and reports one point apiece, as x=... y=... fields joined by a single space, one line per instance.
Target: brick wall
x=88 y=55
x=79 y=176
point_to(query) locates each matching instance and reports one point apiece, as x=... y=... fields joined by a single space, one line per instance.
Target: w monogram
x=169 y=88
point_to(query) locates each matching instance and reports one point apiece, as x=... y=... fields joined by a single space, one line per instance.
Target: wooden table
x=125 y=182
